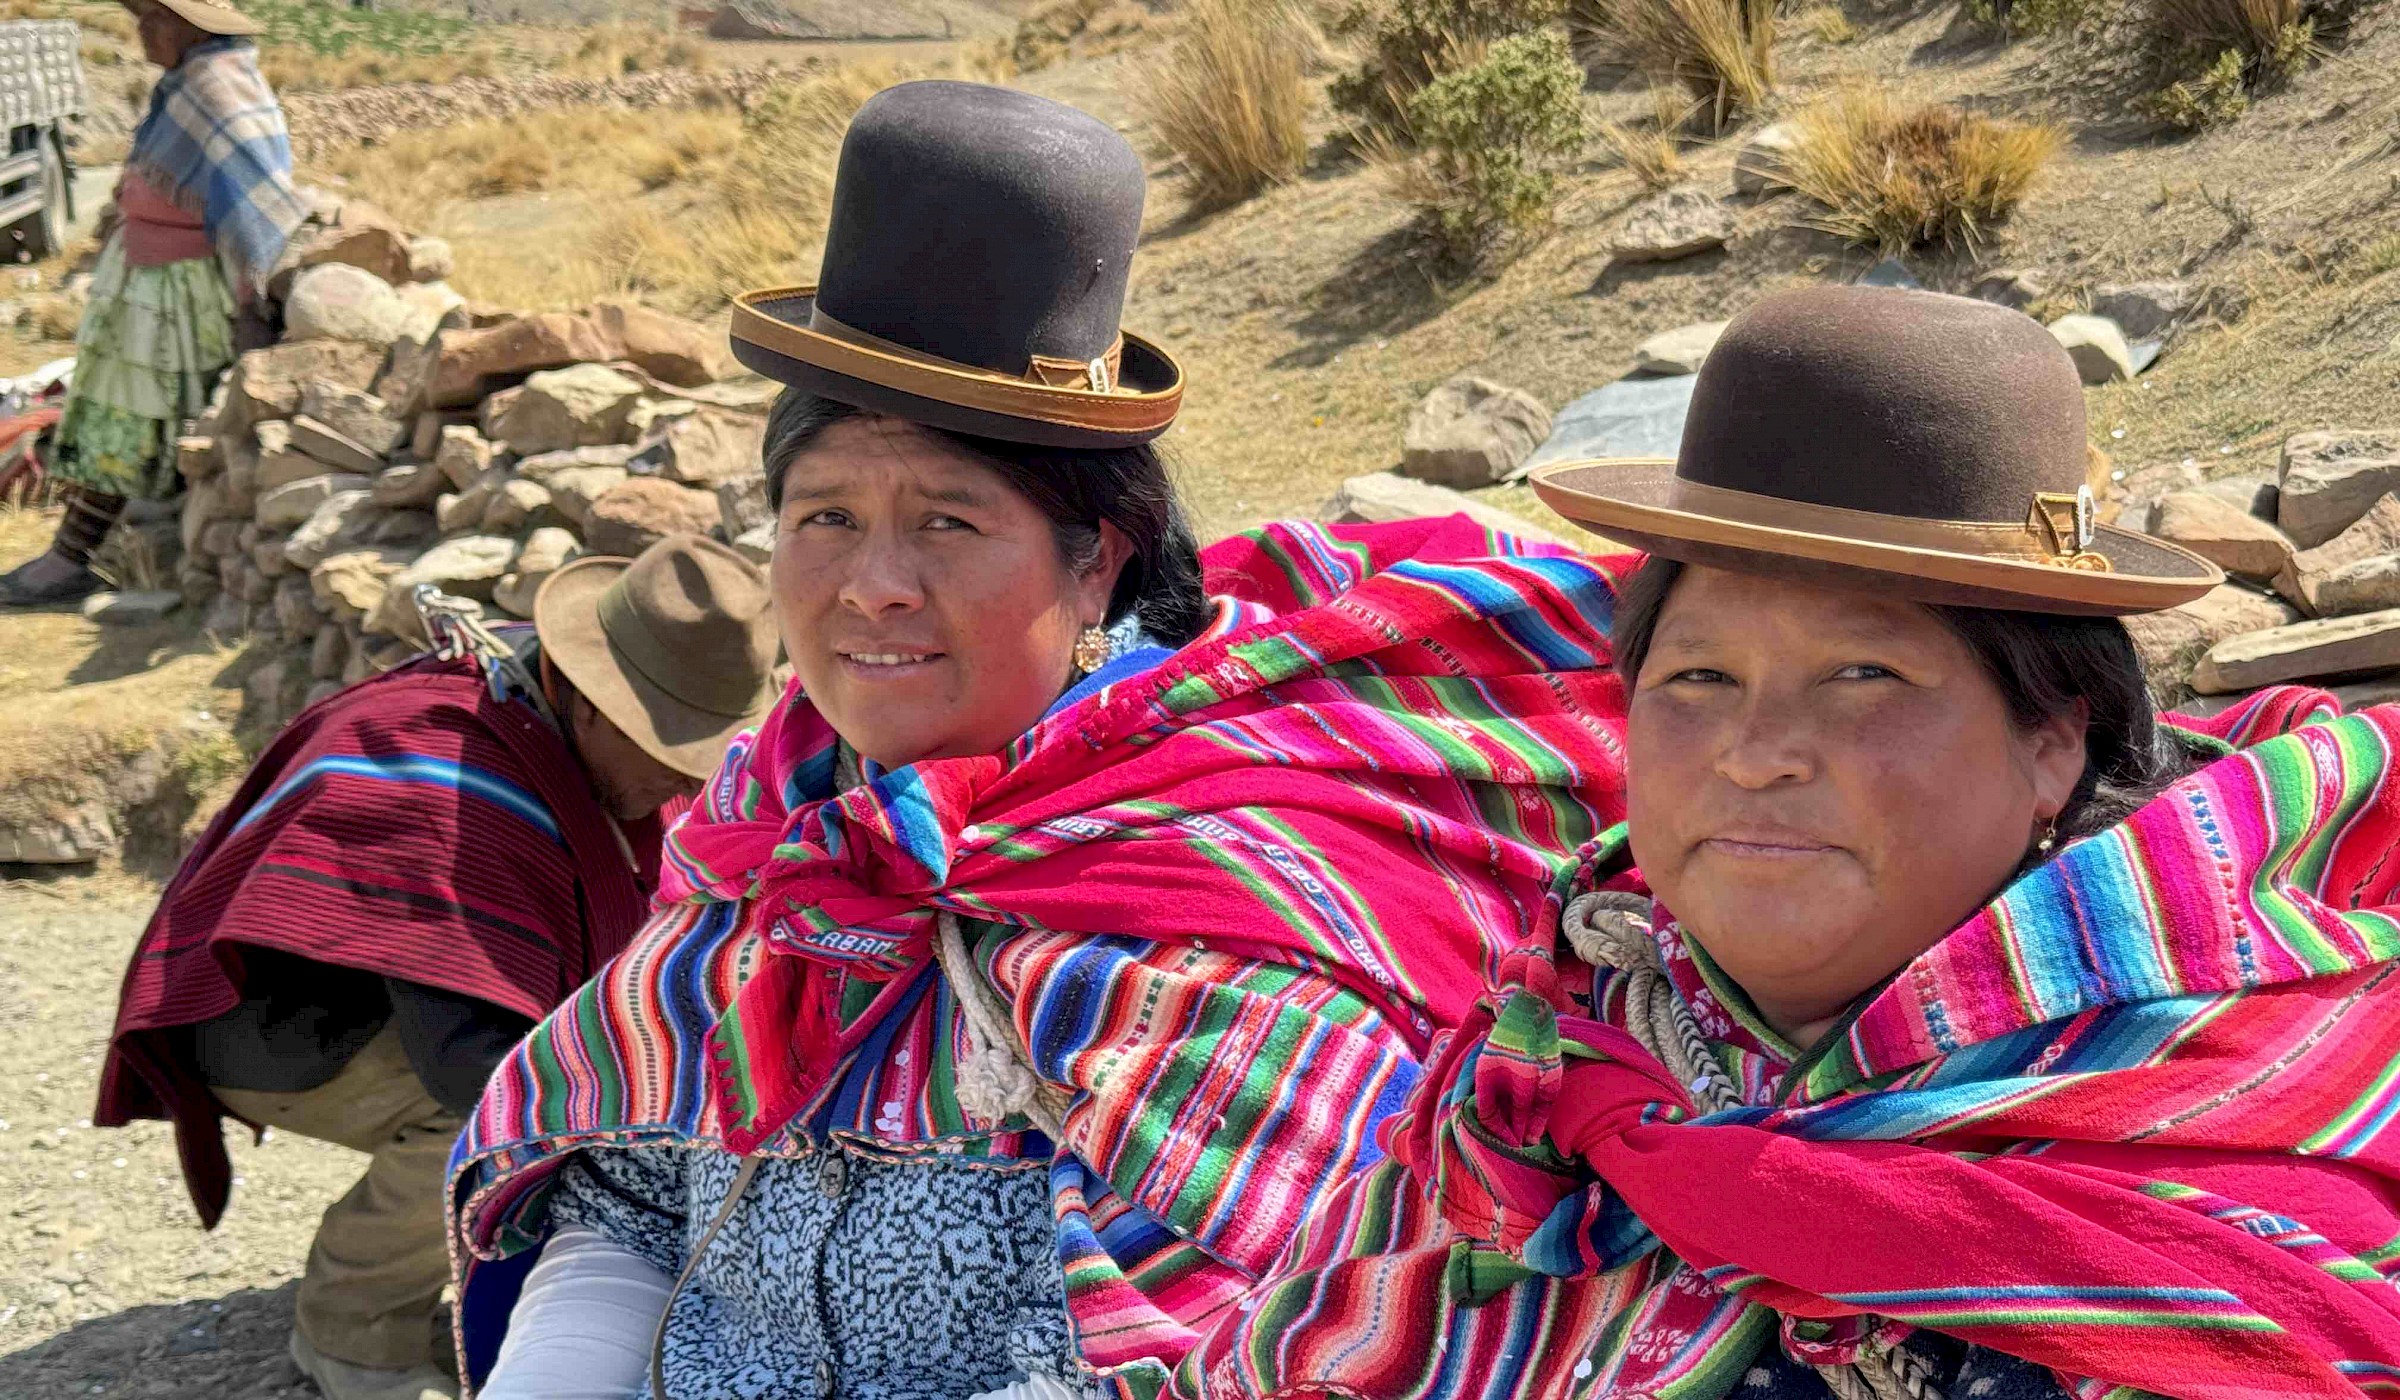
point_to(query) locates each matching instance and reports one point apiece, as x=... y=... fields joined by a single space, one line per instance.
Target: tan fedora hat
x=1928 y=445
x=676 y=647
x=210 y=16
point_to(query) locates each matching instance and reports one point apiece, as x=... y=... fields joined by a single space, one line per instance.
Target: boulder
x=742 y=504
x=1676 y=224
x=463 y=455
x=61 y=835
x=683 y=353
x=472 y=363
x=2361 y=586
x=580 y=406
x=406 y=381
x=197 y=458
x=1678 y=351
x=335 y=301
x=2132 y=498
x=295 y=607
x=409 y=486
x=1472 y=432
x=2223 y=533
x=757 y=544
x=286 y=507
x=2323 y=647
x=1759 y=166
x=225 y=615
x=371 y=246
x=329 y=652
x=2326 y=480
x=219 y=537
x=343 y=454
x=2097 y=346
x=430 y=259
x=464 y=510
x=409 y=529
x=2012 y=287
x=546 y=551
x=266 y=384
x=2146 y=310
x=639 y=513
x=350 y=585
x=1382 y=496
x=2255 y=495
x=355 y=414
x=2376 y=533
x=572 y=491
x=706 y=446
x=342 y=521
x=425 y=437
x=278 y=461
x=466 y=567
x=427 y=309
x=132 y=609
x=518 y=506
x=546 y=465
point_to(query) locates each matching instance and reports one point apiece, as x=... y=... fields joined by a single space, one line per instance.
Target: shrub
x=1228 y=96
x=2213 y=97
x=2226 y=51
x=1488 y=132
x=1895 y=178
x=1721 y=51
x=1409 y=42
x=2038 y=17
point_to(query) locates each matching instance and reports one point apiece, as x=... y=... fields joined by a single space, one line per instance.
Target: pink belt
x=157 y=230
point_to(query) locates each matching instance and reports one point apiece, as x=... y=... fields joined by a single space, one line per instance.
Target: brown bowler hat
x=676 y=648
x=974 y=274
x=1928 y=445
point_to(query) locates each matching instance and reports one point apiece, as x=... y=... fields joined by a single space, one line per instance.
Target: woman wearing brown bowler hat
x=1941 y=1022
x=1020 y=985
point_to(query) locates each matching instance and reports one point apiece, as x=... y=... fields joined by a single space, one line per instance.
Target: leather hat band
x=2055 y=531
x=1057 y=372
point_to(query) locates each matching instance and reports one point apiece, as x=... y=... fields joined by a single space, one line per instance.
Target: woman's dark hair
x=2042 y=662
x=1077 y=489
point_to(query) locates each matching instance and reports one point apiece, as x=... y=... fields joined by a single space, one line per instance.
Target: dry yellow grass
x=1228 y=95
x=296 y=69
x=2273 y=37
x=1653 y=154
x=1720 y=51
x=589 y=149
x=1895 y=177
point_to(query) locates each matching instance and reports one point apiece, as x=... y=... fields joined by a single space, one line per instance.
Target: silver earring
x=2049 y=838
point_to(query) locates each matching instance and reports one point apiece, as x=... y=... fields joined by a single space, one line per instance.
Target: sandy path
x=109 y=1286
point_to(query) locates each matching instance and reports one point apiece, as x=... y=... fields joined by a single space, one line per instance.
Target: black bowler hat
x=974 y=275
x=1929 y=446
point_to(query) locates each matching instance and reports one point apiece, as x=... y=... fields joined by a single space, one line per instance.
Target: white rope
x=1611 y=929
x=995 y=1078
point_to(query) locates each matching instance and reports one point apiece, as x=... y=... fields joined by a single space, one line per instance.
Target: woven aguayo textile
x=2132 y=1122
x=415 y=825
x=1231 y=901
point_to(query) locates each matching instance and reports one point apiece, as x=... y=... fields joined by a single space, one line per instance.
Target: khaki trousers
x=376 y=1270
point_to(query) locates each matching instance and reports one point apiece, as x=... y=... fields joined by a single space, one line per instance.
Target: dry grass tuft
x=1229 y=96
x=1893 y=177
x=1720 y=51
x=591 y=149
x=2274 y=37
x=1830 y=25
x=635 y=48
x=1653 y=154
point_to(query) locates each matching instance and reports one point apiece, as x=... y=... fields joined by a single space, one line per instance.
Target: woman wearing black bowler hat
x=1015 y=990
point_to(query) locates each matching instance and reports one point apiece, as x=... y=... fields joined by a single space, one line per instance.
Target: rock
x=413 y=529
x=1384 y=496
x=2331 y=646
x=2377 y=532
x=295 y=607
x=466 y=567
x=543 y=466
x=463 y=456
x=2254 y=495
x=335 y=301
x=546 y=551
x=406 y=383
x=2224 y=534
x=427 y=309
x=430 y=259
x=704 y=447
x=574 y=490
x=410 y=485
x=278 y=460
x=266 y=558
x=472 y=364
x=1678 y=351
x=757 y=544
x=464 y=510
x=651 y=414
x=218 y=537
x=1758 y=168
x=333 y=449
x=2171 y=643
x=683 y=353
x=356 y=414
x=286 y=507
x=2327 y=480
x=2097 y=346
x=580 y=406
x=2015 y=288
x=1472 y=432
x=1676 y=224
x=349 y=586
x=518 y=505
x=2361 y=586
x=2146 y=310
x=224 y=616
x=203 y=505
x=197 y=458
x=131 y=609
x=639 y=513
x=343 y=520
x=742 y=504
x=266 y=384
x=425 y=439
x=329 y=652
x=2131 y=500
x=368 y=247
x=61 y=835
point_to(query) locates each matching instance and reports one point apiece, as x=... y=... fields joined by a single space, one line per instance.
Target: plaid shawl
x=214 y=142
x=2133 y=1121
x=1240 y=893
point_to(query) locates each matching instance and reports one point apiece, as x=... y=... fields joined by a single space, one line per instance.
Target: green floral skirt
x=147 y=355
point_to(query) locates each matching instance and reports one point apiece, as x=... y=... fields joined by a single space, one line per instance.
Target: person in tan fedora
x=415 y=871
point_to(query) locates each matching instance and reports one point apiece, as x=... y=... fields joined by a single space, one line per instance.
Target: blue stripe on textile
x=415 y=770
x=2082 y=1293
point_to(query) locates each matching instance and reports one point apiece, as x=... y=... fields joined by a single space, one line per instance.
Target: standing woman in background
x=203 y=212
